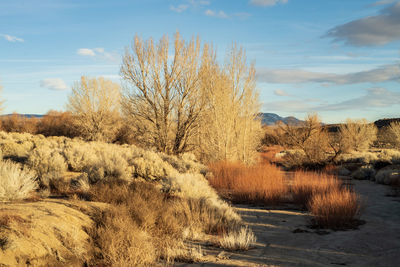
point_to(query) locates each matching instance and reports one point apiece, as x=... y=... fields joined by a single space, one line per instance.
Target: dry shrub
x=238 y=240
x=203 y=216
x=307 y=184
x=15 y=182
x=249 y=184
x=335 y=209
x=269 y=154
x=48 y=164
x=19 y=123
x=140 y=227
x=357 y=135
x=57 y=123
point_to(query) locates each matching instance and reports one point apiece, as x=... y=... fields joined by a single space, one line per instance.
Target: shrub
x=239 y=240
x=19 y=123
x=56 y=123
x=15 y=182
x=307 y=184
x=140 y=228
x=364 y=173
x=150 y=165
x=335 y=209
x=389 y=175
x=108 y=164
x=47 y=163
x=357 y=135
x=394 y=129
x=254 y=184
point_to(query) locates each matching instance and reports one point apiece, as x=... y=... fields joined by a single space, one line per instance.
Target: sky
x=340 y=59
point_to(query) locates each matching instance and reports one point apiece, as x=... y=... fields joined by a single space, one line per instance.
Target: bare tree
x=357 y=135
x=231 y=129
x=163 y=97
x=310 y=137
x=95 y=105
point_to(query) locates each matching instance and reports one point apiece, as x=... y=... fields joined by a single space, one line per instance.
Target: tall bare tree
x=163 y=95
x=95 y=105
x=231 y=129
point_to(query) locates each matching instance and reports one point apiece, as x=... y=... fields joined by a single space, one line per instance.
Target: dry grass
x=335 y=209
x=249 y=184
x=239 y=240
x=268 y=154
x=137 y=229
x=15 y=182
x=307 y=184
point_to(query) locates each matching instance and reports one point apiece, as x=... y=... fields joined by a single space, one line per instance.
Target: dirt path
x=376 y=243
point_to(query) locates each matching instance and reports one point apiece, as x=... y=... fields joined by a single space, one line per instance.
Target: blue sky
x=338 y=58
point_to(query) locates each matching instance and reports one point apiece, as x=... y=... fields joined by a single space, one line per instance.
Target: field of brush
x=73 y=203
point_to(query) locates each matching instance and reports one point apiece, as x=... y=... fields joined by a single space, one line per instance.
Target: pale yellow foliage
x=15 y=182
x=164 y=99
x=238 y=240
x=230 y=127
x=95 y=104
x=394 y=129
x=357 y=135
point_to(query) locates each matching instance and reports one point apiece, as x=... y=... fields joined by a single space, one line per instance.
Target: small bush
x=364 y=173
x=107 y=164
x=255 y=184
x=388 y=176
x=47 y=163
x=307 y=184
x=239 y=240
x=15 y=182
x=335 y=209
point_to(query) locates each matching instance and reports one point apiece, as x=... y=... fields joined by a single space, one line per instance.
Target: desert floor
x=284 y=238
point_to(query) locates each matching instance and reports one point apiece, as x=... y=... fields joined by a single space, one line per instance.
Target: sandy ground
x=43 y=231
x=376 y=243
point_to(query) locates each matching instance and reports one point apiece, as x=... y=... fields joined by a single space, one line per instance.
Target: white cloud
x=280 y=92
x=288 y=76
x=267 y=2
x=96 y=52
x=53 y=84
x=86 y=52
x=179 y=8
x=11 y=38
x=220 y=14
x=373 y=30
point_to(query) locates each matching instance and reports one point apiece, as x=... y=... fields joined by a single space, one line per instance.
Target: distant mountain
x=272 y=118
x=385 y=122
x=23 y=115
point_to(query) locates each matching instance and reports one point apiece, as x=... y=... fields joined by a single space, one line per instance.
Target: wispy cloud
x=374 y=98
x=11 y=38
x=280 y=92
x=374 y=30
x=54 y=84
x=86 y=52
x=179 y=8
x=187 y=4
x=93 y=52
x=382 y=2
x=267 y=2
x=289 y=76
x=218 y=14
